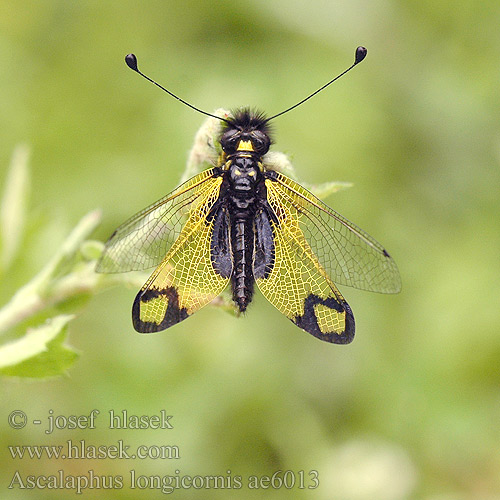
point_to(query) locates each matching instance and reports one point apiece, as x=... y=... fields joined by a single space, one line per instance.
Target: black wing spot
x=309 y=322
x=173 y=315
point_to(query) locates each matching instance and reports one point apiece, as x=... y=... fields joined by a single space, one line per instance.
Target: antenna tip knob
x=131 y=61
x=360 y=54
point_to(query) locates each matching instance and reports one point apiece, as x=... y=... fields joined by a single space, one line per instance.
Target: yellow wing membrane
x=185 y=280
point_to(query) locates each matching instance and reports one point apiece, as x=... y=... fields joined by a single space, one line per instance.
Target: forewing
x=144 y=240
x=348 y=255
x=186 y=279
x=291 y=278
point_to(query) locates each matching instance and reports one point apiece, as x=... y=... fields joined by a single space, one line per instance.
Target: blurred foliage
x=410 y=409
x=32 y=323
x=38 y=351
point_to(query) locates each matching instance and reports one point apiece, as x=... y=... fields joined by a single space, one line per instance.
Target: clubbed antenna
x=131 y=61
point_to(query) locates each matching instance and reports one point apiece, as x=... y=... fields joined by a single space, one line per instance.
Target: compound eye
x=229 y=141
x=260 y=142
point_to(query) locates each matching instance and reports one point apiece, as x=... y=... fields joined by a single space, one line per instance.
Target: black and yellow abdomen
x=244 y=186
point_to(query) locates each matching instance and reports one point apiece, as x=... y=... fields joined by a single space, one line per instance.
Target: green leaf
x=62 y=277
x=40 y=353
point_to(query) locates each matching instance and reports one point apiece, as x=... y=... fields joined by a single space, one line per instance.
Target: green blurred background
x=410 y=409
